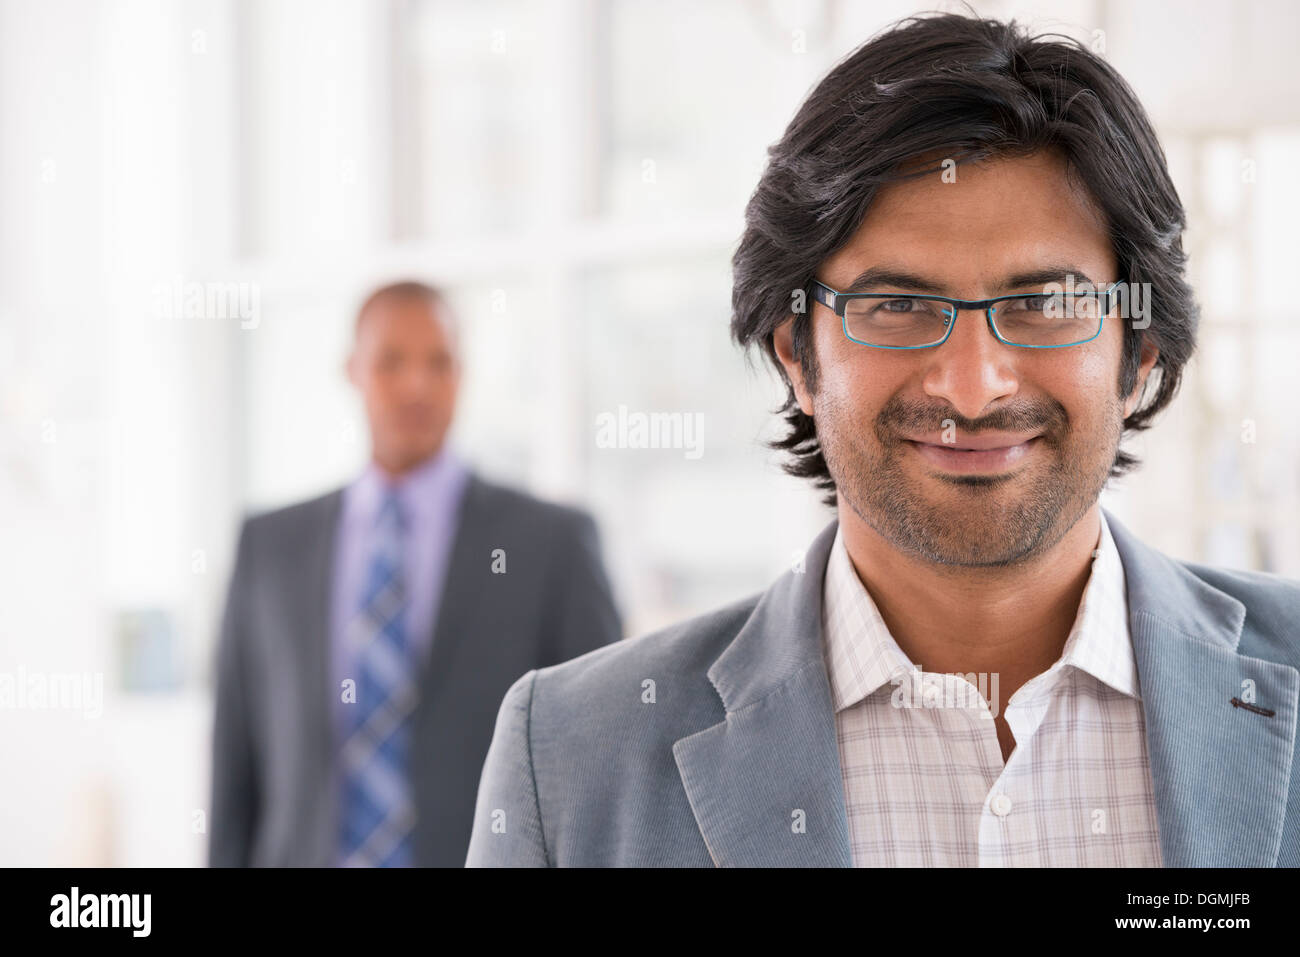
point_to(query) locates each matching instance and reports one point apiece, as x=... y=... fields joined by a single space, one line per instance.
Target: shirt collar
x=861 y=654
x=1100 y=642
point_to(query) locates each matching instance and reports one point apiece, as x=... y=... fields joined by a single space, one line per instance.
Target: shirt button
x=1001 y=805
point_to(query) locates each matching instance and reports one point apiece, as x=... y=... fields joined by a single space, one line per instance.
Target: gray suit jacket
x=584 y=771
x=273 y=802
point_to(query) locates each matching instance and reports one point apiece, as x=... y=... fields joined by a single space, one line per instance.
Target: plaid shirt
x=924 y=780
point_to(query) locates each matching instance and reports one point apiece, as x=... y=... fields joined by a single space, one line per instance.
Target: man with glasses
x=976 y=664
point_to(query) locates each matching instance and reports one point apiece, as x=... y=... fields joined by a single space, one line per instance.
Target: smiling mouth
x=951 y=458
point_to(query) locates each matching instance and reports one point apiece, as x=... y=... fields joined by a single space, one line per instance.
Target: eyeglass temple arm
x=824 y=294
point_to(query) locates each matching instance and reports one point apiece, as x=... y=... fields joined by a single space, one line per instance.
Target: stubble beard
x=968 y=520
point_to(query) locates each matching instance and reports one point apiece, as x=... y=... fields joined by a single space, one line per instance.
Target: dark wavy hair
x=971 y=88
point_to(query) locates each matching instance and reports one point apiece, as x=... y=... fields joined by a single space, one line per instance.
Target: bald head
x=405 y=364
x=410 y=293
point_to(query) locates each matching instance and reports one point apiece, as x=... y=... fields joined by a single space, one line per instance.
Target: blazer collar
x=765 y=785
x=1220 y=773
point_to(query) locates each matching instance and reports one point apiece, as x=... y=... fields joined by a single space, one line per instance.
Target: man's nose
x=972 y=369
x=416 y=375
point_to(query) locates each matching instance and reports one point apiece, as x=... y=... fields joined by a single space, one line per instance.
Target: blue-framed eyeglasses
x=900 y=320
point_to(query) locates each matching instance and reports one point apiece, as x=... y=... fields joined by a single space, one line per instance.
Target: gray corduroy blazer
x=583 y=770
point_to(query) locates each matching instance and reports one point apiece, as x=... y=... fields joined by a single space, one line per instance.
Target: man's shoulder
x=1247 y=583
x=513 y=502
x=1179 y=590
x=1272 y=601
x=287 y=520
x=495 y=508
x=664 y=667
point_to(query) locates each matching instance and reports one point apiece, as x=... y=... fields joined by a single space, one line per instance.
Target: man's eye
x=904 y=306
x=1047 y=304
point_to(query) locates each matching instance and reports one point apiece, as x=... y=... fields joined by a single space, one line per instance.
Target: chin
x=418 y=454
x=407 y=455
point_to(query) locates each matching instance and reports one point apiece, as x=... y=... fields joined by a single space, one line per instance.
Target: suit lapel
x=313 y=585
x=465 y=562
x=765 y=784
x=1220 y=773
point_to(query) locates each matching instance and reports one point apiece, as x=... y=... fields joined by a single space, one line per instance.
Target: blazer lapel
x=1220 y=772
x=765 y=784
x=765 y=787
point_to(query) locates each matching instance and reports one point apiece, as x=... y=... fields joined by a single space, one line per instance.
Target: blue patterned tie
x=377 y=812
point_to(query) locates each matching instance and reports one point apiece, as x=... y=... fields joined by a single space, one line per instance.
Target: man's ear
x=351 y=369
x=783 y=343
x=1149 y=356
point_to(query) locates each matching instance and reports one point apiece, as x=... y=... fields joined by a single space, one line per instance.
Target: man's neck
x=394 y=470
x=1012 y=620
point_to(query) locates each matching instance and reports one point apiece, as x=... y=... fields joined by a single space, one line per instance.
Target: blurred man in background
x=371 y=633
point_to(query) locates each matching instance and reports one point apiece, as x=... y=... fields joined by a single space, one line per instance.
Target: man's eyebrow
x=900 y=280
x=1063 y=276
x=895 y=279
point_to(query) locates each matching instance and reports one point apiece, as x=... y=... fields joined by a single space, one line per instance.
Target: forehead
x=983 y=221
x=394 y=315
